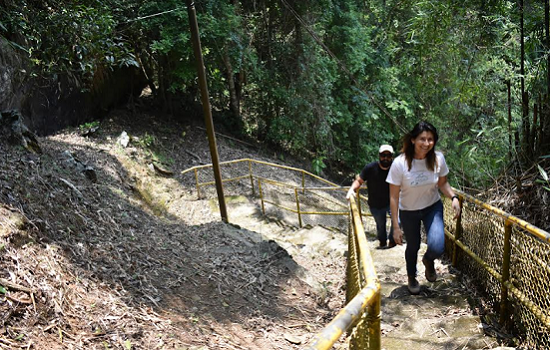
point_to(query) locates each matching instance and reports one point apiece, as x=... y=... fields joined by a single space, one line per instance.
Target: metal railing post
x=358 y=196
x=298 y=207
x=505 y=273
x=374 y=323
x=198 y=186
x=458 y=234
x=261 y=195
x=251 y=177
x=303 y=181
x=351 y=289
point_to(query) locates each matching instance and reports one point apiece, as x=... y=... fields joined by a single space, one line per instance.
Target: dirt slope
x=103 y=247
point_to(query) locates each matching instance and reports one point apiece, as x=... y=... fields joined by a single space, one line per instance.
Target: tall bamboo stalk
x=524 y=98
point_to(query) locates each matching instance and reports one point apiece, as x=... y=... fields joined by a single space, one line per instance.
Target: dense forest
x=328 y=80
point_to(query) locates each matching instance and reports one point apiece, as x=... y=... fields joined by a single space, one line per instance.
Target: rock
x=90 y=174
x=11 y=124
x=72 y=162
x=293 y=339
x=11 y=70
x=123 y=139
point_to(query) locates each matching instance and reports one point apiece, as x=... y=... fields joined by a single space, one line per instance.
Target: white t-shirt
x=419 y=185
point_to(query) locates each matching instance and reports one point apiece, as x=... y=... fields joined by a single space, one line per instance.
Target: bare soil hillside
x=103 y=247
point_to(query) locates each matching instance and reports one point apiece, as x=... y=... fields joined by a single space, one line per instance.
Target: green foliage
x=331 y=95
x=318 y=164
x=89 y=125
x=162 y=158
x=545 y=179
x=68 y=37
x=146 y=141
x=169 y=42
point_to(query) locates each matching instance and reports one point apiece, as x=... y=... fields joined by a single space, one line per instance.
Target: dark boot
x=413 y=285
x=431 y=275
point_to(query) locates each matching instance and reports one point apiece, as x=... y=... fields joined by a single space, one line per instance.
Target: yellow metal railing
x=509 y=260
x=362 y=310
x=306 y=194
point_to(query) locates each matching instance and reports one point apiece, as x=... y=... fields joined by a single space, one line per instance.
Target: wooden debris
x=13 y=286
x=72 y=187
x=160 y=169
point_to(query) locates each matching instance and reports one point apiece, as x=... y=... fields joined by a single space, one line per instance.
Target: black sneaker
x=413 y=285
x=383 y=245
x=431 y=275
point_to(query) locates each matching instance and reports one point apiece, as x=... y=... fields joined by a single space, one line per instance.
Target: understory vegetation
x=328 y=80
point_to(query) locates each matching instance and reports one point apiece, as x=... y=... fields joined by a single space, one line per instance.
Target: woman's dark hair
x=408 y=147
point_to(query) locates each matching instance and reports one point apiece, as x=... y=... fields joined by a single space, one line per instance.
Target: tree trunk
x=524 y=96
x=234 y=103
x=547 y=30
x=538 y=144
x=510 y=145
x=545 y=112
x=534 y=130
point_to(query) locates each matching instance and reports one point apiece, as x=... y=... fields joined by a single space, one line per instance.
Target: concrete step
x=440 y=317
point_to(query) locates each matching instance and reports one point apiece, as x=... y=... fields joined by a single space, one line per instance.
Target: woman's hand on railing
x=398 y=235
x=455 y=204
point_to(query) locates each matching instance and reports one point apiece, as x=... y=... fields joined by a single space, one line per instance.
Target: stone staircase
x=440 y=317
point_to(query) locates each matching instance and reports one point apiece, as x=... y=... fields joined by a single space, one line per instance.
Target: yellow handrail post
x=198 y=186
x=458 y=234
x=351 y=289
x=374 y=323
x=505 y=273
x=298 y=207
x=261 y=195
x=358 y=196
x=303 y=182
x=251 y=177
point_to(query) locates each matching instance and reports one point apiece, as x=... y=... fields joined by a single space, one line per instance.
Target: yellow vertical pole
x=358 y=196
x=198 y=186
x=298 y=207
x=505 y=273
x=195 y=38
x=261 y=195
x=374 y=323
x=349 y=265
x=303 y=182
x=353 y=283
x=251 y=177
x=458 y=234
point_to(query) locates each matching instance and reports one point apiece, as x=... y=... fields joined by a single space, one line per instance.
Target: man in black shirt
x=374 y=174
